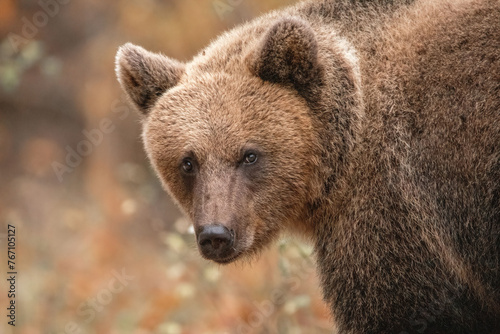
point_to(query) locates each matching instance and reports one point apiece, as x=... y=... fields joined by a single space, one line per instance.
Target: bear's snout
x=215 y=242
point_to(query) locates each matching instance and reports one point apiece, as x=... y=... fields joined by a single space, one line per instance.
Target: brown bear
x=370 y=127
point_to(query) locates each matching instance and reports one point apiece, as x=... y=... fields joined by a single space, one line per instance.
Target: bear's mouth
x=229 y=259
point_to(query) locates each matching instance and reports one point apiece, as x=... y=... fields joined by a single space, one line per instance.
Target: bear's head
x=233 y=134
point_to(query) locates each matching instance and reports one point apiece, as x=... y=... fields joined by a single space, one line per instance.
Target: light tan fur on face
x=202 y=116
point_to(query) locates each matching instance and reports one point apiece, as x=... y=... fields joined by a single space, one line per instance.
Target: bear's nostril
x=205 y=242
x=215 y=241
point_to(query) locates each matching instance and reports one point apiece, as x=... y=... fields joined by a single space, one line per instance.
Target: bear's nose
x=215 y=241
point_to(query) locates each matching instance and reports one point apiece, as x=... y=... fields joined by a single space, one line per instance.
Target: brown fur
x=377 y=130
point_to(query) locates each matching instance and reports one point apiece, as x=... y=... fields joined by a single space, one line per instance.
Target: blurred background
x=100 y=247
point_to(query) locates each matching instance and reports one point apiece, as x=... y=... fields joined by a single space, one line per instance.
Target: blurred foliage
x=109 y=212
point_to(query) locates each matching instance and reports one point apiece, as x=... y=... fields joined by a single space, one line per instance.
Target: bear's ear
x=288 y=53
x=145 y=76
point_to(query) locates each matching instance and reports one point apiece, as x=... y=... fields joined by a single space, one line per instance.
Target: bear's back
x=424 y=182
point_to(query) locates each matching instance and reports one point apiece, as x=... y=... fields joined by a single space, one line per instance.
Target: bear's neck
x=337 y=107
x=351 y=18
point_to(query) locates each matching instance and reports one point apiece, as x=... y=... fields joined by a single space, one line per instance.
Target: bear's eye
x=250 y=158
x=187 y=165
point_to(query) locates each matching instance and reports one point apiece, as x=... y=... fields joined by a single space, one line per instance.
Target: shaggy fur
x=377 y=130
